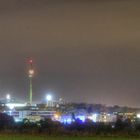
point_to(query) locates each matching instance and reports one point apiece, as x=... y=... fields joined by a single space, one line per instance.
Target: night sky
x=83 y=50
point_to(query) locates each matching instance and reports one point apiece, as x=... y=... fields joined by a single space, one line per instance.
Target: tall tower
x=30 y=74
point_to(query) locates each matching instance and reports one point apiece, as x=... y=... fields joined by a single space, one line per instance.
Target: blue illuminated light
x=82 y=118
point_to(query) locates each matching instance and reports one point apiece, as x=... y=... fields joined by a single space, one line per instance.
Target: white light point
x=48 y=97
x=8 y=97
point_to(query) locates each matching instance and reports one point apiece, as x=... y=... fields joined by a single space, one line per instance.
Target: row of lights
x=48 y=97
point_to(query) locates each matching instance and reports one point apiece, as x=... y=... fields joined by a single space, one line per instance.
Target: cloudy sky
x=83 y=50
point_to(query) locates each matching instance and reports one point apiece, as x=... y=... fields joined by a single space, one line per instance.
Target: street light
x=8 y=97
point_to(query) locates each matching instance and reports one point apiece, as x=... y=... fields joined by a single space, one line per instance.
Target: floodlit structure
x=31 y=115
x=49 y=100
x=30 y=74
x=14 y=105
x=11 y=103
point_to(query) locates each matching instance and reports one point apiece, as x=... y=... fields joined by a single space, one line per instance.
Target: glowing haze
x=83 y=50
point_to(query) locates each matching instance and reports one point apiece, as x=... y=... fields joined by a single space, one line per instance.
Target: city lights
x=13 y=105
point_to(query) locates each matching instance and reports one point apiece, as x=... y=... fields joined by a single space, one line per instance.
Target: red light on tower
x=31 y=71
x=30 y=61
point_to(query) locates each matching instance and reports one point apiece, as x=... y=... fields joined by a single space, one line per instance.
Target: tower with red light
x=30 y=75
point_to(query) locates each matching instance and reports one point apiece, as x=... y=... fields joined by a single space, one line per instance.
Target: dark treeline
x=88 y=128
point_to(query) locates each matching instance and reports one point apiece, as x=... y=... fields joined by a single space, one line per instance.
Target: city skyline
x=83 y=51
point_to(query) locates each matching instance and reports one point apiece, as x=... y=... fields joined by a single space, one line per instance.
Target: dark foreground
x=33 y=137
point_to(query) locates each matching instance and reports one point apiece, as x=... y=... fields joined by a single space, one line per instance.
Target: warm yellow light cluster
x=31 y=73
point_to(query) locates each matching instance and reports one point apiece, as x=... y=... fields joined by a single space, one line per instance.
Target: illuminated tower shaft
x=30 y=92
x=31 y=74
